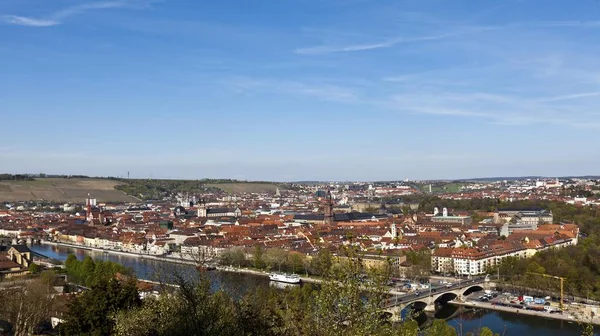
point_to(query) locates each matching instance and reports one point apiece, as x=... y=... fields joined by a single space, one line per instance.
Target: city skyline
x=300 y=90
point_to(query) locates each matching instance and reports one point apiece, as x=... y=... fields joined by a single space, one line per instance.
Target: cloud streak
x=465 y=29
x=327 y=49
x=26 y=21
x=58 y=17
x=571 y=96
x=497 y=109
x=315 y=89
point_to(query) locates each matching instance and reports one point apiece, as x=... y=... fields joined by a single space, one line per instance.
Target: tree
x=440 y=328
x=275 y=257
x=257 y=257
x=34 y=268
x=485 y=331
x=27 y=306
x=86 y=270
x=233 y=256
x=343 y=307
x=93 y=312
x=72 y=263
x=89 y=271
x=191 y=309
x=295 y=261
x=321 y=263
x=340 y=307
x=420 y=264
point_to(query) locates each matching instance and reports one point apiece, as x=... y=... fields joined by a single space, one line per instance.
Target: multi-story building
x=474 y=261
x=479 y=260
x=528 y=216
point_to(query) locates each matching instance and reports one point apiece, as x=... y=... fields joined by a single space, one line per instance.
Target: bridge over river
x=426 y=299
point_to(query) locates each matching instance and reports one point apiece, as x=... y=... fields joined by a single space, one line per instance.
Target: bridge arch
x=472 y=289
x=445 y=297
x=418 y=305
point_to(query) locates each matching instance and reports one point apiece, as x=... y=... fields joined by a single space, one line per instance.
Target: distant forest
x=17 y=177
x=32 y=177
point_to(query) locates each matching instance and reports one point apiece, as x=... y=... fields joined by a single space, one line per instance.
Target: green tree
x=321 y=263
x=34 y=268
x=72 y=264
x=233 y=257
x=440 y=328
x=190 y=310
x=485 y=331
x=257 y=257
x=295 y=262
x=90 y=272
x=94 y=311
x=343 y=307
x=86 y=270
x=275 y=258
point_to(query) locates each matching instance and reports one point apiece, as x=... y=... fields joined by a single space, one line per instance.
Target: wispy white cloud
x=59 y=16
x=571 y=96
x=328 y=49
x=80 y=9
x=317 y=89
x=508 y=110
x=425 y=78
x=573 y=24
x=456 y=29
x=26 y=21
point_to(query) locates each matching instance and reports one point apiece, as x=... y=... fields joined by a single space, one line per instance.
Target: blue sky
x=300 y=89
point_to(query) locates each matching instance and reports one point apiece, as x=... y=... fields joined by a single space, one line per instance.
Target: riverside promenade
x=179 y=260
x=578 y=316
x=130 y=254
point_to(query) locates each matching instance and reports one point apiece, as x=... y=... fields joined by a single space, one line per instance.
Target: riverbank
x=129 y=254
x=566 y=316
x=239 y=270
x=238 y=284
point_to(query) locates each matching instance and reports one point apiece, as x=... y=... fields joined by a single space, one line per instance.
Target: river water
x=237 y=284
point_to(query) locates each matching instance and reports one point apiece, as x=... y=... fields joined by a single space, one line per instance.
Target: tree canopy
x=94 y=311
x=89 y=271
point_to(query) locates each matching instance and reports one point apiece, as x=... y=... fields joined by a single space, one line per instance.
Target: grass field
x=62 y=190
x=442 y=188
x=238 y=188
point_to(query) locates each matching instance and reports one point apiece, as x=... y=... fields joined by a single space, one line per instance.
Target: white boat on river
x=287 y=278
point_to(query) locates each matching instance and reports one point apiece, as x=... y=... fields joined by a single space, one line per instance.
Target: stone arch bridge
x=427 y=299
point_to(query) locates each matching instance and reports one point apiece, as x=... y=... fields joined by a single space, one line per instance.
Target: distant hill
x=245 y=187
x=310 y=182
x=63 y=190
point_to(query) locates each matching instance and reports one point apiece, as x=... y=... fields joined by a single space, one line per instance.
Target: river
x=237 y=284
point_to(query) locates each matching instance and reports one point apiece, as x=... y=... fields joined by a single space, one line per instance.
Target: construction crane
x=307 y=239
x=562 y=280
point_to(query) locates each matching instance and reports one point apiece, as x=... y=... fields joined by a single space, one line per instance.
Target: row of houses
x=488 y=254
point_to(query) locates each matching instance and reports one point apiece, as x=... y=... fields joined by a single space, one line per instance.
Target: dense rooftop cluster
x=304 y=220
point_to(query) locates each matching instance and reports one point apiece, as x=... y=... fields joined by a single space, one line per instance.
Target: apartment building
x=479 y=260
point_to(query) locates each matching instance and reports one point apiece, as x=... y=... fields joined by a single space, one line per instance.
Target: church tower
x=202 y=209
x=329 y=208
